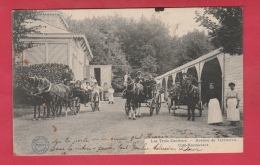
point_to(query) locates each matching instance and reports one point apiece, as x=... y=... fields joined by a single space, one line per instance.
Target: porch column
x=166 y=87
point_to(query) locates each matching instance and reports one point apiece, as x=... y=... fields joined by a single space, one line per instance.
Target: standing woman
x=232 y=104
x=214 y=111
x=111 y=95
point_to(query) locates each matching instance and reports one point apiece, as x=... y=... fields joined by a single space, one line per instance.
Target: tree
x=20 y=21
x=228 y=31
x=193 y=45
x=149 y=64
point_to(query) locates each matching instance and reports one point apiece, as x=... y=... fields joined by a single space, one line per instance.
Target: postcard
x=127 y=81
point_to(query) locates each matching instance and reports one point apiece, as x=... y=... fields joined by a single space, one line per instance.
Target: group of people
x=212 y=102
x=90 y=85
x=232 y=105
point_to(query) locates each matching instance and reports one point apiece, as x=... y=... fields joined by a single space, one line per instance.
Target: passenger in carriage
x=138 y=81
x=187 y=79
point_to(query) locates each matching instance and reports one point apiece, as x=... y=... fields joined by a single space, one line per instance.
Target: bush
x=51 y=71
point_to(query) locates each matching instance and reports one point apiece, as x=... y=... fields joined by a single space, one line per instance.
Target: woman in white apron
x=232 y=104
x=111 y=95
x=214 y=111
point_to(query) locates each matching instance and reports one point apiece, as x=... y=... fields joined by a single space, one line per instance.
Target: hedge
x=51 y=71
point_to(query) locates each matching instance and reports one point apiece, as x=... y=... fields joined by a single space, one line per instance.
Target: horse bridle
x=43 y=90
x=130 y=84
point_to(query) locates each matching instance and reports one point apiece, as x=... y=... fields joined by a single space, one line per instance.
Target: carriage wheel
x=152 y=107
x=126 y=108
x=77 y=104
x=95 y=104
x=72 y=106
x=158 y=104
x=86 y=100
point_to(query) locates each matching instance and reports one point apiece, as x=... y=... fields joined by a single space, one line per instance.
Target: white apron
x=232 y=112
x=111 y=95
x=214 y=112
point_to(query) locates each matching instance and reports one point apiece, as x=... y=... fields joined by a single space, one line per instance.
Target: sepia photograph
x=127 y=81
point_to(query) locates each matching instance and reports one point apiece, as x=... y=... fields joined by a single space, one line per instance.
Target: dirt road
x=109 y=131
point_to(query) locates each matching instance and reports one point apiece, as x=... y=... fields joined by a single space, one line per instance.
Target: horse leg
x=34 y=115
x=44 y=109
x=60 y=103
x=189 y=109
x=48 y=109
x=39 y=112
x=139 y=109
x=134 y=111
x=66 y=108
x=193 y=110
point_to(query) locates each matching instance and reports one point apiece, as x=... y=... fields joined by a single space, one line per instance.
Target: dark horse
x=192 y=98
x=54 y=95
x=132 y=96
x=36 y=100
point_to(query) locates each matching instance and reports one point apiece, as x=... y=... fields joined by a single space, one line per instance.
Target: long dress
x=214 y=111
x=233 y=113
x=111 y=94
x=97 y=89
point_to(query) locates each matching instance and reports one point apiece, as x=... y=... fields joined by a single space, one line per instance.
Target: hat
x=231 y=83
x=211 y=83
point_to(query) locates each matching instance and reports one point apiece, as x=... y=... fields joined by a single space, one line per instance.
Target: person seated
x=150 y=86
x=66 y=76
x=138 y=84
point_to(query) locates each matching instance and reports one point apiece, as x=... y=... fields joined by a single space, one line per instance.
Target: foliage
x=51 y=71
x=20 y=21
x=228 y=31
x=144 y=44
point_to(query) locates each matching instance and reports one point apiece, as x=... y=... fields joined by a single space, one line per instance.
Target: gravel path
x=109 y=131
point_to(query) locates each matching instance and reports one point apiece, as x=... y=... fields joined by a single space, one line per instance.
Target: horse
x=36 y=100
x=192 y=98
x=132 y=96
x=54 y=95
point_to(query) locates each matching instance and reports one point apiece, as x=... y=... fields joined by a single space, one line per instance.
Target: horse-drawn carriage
x=136 y=96
x=57 y=96
x=183 y=95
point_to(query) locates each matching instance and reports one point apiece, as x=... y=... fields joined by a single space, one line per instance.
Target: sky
x=183 y=17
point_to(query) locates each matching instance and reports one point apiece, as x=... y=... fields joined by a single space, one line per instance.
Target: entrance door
x=97 y=75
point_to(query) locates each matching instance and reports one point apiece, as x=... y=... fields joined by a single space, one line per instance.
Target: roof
x=191 y=63
x=54 y=12
x=45 y=27
x=85 y=46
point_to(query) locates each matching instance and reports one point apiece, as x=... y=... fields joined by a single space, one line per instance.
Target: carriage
x=83 y=97
x=152 y=101
x=177 y=99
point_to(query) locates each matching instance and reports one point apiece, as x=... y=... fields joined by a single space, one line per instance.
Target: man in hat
x=188 y=79
x=150 y=83
x=193 y=80
x=66 y=76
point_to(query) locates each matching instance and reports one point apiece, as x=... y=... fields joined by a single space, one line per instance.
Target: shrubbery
x=51 y=71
